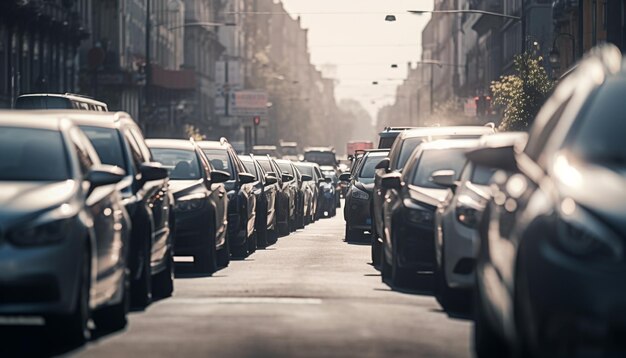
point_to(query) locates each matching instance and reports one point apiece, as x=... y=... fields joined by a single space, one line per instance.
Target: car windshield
x=386 y=142
x=408 y=146
x=306 y=169
x=250 y=168
x=107 y=143
x=219 y=160
x=286 y=167
x=265 y=164
x=180 y=163
x=437 y=159
x=599 y=134
x=31 y=154
x=368 y=168
x=321 y=158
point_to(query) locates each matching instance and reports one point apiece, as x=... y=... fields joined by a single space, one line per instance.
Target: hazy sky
x=353 y=35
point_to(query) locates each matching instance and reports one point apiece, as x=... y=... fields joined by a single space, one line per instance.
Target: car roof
x=450 y=144
x=32 y=119
x=504 y=139
x=95 y=119
x=393 y=131
x=320 y=149
x=213 y=144
x=246 y=158
x=170 y=144
x=65 y=95
x=305 y=164
x=284 y=161
x=378 y=153
x=452 y=130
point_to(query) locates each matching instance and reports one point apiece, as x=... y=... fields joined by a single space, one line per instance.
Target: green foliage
x=523 y=93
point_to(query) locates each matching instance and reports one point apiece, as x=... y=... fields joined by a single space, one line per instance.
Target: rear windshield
x=408 y=146
x=108 y=144
x=30 y=154
x=438 y=159
x=181 y=164
x=386 y=142
x=42 y=102
x=321 y=158
x=219 y=160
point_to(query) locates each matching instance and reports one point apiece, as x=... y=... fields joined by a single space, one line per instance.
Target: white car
x=456 y=234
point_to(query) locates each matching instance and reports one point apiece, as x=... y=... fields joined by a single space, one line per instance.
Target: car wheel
x=73 y=329
x=223 y=255
x=400 y=277
x=375 y=250
x=487 y=342
x=385 y=268
x=113 y=318
x=450 y=299
x=352 y=235
x=163 y=282
x=141 y=289
x=239 y=251
x=252 y=243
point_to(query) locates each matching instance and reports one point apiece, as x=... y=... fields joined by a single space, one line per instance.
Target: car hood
x=30 y=198
x=597 y=189
x=183 y=187
x=430 y=196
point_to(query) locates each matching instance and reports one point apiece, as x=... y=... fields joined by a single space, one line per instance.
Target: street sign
x=249 y=103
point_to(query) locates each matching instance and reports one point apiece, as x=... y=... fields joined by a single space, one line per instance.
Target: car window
x=30 y=154
x=86 y=159
x=251 y=168
x=286 y=167
x=408 y=146
x=141 y=143
x=367 y=169
x=219 y=160
x=306 y=170
x=181 y=164
x=598 y=134
x=134 y=149
x=321 y=158
x=108 y=144
x=434 y=160
x=267 y=166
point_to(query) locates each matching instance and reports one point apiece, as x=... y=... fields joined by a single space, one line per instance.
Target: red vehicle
x=358 y=145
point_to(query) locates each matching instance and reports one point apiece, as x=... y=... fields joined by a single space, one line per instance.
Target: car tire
x=141 y=289
x=400 y=277
x=239 y=251
x=114 y=318
x=449 y=298
x=352 y=235
x=252 y=241
x=375 y=250
x=163 y=282
x=73 y=329
x=385 y=268
x=487 y=342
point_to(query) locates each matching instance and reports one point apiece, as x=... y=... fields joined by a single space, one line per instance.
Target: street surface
x=310 y=295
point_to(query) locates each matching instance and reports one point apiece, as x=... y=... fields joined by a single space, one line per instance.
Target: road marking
x=249 y=300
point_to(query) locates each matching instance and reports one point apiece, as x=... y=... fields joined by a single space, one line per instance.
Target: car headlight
x=190 y=202
x=359 y=194
x=43 y=233
x=468 y=216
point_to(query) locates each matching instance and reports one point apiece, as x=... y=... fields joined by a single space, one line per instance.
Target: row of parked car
x=92 y=214
x=530 y=227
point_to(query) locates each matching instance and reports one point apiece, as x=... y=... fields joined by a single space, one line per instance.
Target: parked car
x=59 y=101
x=201 y=202
x=290 y=184
x=266 y=191
x=241 y=200
x=456 y=223
x=552 y=250
x=409 y=210
x=263 y=150
x=119 y=142
x=65 y=232
x=359 y=195
x=285 y=194
x=312 y=186
x=401 y=150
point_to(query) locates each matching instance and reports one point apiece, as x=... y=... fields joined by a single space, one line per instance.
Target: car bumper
x=40 y=280
x=459 y=251
x=575 y=303
x=358 y=214
x=192 y=231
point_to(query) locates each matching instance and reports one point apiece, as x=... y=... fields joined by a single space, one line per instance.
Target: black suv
x=552 y=254
x=241 y=199
x=119 y=142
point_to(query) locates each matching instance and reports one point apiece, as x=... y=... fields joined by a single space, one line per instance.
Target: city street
x=310 y=295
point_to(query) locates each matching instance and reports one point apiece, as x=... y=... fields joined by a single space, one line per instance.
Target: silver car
x=63 y=229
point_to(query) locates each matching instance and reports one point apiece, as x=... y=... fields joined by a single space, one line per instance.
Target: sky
x=353 y=35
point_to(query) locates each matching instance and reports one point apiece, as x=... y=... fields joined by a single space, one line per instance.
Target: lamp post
x=555 y=55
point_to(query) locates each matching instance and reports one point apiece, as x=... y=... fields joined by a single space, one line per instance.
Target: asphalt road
x=310 y=295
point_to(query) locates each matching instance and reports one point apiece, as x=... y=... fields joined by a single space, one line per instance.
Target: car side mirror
x=306 y=177
x=345 y=177
x=383 y=164
x=444 y=178
x=219 y=176
x=287 y=177
x=391 y=181
x=246 y=178
x=270 y=180
x=503 y=157
x=103 y=175
x=152 y=171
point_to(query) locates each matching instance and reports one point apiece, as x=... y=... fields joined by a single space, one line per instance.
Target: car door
x=104 y=205
x=217 y=198
x=246 y=192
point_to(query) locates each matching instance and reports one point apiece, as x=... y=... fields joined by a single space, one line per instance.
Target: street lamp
x=555 y=55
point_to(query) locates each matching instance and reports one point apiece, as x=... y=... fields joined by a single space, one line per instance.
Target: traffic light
x=256 y=120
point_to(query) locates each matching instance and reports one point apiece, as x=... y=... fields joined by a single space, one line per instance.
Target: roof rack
x=223 y=140
x=78 y=95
